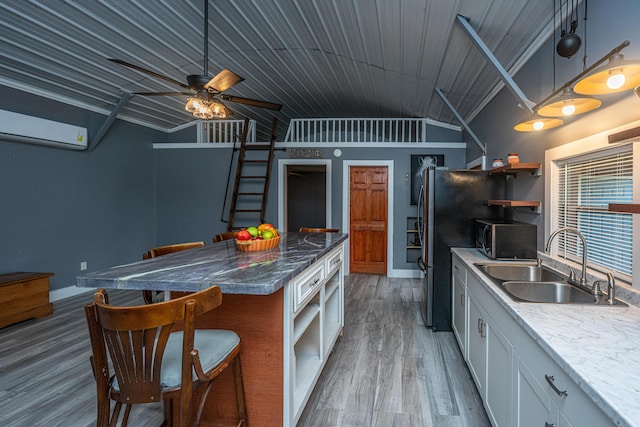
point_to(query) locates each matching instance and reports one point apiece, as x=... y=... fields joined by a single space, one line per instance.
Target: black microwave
x=501 y=239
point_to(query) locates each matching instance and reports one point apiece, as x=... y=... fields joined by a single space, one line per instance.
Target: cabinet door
x=532 y=407
x=499 y=375
x=458 y=309
x=477 y=350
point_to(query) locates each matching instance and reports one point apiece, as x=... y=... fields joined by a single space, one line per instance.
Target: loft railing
x=357 y=130
x=224 y=131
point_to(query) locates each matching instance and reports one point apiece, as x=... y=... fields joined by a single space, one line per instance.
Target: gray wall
x=609 y=24
x=62 y=207
x=191 y=186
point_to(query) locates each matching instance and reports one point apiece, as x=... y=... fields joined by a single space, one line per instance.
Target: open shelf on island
x=624 y=208
x=516 y=168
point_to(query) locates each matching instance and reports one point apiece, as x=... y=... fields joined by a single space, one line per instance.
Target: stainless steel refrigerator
x=448 y=203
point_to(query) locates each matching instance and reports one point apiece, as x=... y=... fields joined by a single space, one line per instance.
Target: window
x=585 y=186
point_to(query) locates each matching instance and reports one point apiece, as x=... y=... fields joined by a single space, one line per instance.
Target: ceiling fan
x=206 y=93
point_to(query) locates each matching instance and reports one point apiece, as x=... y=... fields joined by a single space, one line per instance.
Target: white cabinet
x=519 y=383
x=459 y=304
x=568 y=404
x=489 y=355
x=314 y=317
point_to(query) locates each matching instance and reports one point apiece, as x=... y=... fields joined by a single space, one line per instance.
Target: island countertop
x=221 y=264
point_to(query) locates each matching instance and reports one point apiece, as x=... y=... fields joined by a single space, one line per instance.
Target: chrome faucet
x=611 y=288
x=583 y=279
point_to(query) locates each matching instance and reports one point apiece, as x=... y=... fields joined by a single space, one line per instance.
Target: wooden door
x=368 y=219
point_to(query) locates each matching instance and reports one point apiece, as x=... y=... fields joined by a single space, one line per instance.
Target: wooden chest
x=24 y=296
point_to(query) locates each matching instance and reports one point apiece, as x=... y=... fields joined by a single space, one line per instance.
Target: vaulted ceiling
x=318 y=58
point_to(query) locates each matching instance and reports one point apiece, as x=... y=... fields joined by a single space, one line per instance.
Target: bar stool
x=318 y=230
x=148 y=296
x=150 y=362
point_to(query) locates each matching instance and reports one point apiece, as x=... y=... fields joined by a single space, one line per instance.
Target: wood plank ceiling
x=319 y=58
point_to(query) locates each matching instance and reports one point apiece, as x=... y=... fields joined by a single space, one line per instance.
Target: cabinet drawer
x=334 y=260
x=307 y=285
x=562 y=390
x=459 y=269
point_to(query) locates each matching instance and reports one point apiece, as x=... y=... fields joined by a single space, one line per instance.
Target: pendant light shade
x=535 y=123
x=568 y=104
x=616 y=76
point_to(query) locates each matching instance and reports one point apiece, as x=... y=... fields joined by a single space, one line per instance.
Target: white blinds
x=586 y=186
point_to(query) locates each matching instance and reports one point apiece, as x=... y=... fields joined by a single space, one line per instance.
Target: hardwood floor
x=386 y=370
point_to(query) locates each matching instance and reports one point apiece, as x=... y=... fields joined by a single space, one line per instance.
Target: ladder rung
x=254 y=161
x=253 y=176
x=250 y=194
x=247 y=210
x=257 y=147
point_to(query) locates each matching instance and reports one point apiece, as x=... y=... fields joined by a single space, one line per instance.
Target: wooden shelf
x=515 y=169
x=624 y=207
x=515 y=203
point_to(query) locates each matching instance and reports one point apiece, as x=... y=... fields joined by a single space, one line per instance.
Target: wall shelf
x=534 y=204
x=514 y=169
x=624 y=208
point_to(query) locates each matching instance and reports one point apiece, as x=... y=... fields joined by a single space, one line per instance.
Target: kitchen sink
x=521 y=272
x=549 y=292
x=540 y=284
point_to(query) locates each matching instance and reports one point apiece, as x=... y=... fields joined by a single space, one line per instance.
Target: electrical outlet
x=83 y=265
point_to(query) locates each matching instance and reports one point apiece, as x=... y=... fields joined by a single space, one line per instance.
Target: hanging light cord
x=584 y=56
x=613 y=51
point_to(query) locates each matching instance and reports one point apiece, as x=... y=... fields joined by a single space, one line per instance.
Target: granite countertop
x=221 y=264
x=598 y=347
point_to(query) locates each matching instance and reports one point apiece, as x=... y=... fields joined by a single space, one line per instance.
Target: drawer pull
x=546 y=424
x=462 y=300
x=550 y=379
x=315 y=282
x=481 y=329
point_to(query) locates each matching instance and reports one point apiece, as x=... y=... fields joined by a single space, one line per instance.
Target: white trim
x=404 y=145
x=590 y=144
x=405 y=274
x=69 y=291
x=346 y=166
x=282 y=182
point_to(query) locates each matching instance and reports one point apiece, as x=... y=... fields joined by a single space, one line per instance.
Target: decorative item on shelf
x=512 y=158
x=497 y=163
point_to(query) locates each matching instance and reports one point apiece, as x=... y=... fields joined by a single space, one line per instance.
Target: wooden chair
x=148 y=296
x=225 y=236
x=318 y=230
x=151 y=363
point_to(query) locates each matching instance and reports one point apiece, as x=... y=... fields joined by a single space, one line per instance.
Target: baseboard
x=406 y=274
x=69 y=291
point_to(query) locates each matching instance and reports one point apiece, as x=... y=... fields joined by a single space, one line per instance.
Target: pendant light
x=616 y=76
x=536 y=123
x=568 y=104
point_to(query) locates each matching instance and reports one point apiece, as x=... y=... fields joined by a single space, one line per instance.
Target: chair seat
x=213 y=346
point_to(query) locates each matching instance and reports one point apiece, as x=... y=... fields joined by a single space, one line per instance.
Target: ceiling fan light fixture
x=617 y=75
x=217 y=109
x=568 y=104
x=194 y=104
x=537 y=123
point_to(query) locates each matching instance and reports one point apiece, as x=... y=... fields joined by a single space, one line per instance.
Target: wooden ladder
x=251 y=186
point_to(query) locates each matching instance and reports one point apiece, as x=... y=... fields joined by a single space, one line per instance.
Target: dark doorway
x=306 y=189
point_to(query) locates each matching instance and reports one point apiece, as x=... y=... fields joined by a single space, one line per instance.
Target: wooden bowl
x=257 y=245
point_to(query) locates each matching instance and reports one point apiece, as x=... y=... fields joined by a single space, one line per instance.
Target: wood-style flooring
x=386 y=370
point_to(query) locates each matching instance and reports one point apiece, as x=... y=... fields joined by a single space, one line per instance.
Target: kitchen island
x=286 y=304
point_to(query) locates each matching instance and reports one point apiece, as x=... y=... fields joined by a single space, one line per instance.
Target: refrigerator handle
x=420 y=217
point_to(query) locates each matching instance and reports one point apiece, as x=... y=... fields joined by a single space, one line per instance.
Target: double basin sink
x=540 y=284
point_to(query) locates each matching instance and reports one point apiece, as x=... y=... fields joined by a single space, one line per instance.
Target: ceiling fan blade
x=162 y=93
x=252 y=102
x=223 y=81
x=151 y=73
